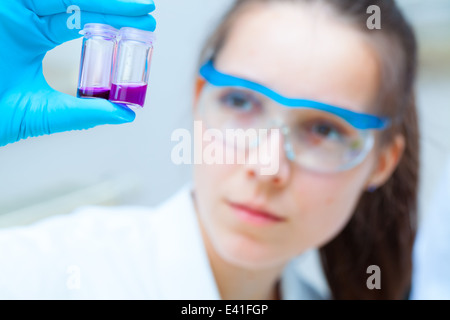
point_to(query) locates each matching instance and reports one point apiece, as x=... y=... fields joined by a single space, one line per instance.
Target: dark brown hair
x=382 y=229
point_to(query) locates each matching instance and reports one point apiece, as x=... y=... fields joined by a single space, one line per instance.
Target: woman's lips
x=253 y=215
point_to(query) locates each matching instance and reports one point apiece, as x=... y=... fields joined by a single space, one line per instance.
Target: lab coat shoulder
x=431 y=278
x=95 y=252
x=127 y=253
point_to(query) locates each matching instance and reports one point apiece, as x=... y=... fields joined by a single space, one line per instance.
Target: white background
x=131 y=164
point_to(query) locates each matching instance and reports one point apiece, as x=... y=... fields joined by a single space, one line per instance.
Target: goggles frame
x=361 y=121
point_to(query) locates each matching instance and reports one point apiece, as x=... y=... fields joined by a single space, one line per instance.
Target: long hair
x=382 y=229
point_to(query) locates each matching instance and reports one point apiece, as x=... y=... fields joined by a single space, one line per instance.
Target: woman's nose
x=268 y=162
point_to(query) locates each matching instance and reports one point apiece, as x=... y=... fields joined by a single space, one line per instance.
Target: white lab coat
x=126 y=253
x=431 y=269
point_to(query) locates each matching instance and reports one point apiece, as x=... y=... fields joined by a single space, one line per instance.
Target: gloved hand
x=28 y=29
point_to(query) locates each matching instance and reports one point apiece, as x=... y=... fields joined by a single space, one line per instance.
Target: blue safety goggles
x=359 y=121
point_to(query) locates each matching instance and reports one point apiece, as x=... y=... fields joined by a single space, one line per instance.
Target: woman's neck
x=236 y=283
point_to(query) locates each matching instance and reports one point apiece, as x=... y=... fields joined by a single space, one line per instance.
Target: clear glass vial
x=97 y=59
x=132 y=67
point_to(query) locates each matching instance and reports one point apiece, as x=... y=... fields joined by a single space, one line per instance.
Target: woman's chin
x=245 y=252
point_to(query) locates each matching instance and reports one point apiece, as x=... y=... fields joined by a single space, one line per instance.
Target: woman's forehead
x=300 y=54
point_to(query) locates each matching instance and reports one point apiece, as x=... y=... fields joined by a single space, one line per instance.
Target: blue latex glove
x=28 y=29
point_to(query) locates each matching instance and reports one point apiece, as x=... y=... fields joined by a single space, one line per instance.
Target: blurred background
x=131 y=165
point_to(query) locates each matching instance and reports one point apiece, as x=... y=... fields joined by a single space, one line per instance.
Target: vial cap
x=128 y=33
x=99 y=29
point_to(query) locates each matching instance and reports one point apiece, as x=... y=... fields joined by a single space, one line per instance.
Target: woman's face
x=298 y=51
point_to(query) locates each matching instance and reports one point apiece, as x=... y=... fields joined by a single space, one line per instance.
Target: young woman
x=346 y=185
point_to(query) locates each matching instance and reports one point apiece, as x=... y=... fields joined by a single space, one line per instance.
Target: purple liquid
x=128 y=93
x=94 y=92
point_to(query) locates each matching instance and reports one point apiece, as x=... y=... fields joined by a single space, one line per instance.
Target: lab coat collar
x=304 y=279
x=185 y=272
x=185 y=267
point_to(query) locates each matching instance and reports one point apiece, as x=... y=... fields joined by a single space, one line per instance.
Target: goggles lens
x=315 y=139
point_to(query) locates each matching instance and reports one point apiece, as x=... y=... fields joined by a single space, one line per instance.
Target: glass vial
x=132 y=67
x=97 y=59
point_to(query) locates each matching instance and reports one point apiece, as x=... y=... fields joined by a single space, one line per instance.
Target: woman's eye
x=238 y=100
x=323 y=129
x=326 y=130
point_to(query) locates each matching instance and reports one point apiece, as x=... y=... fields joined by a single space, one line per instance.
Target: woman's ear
x=388 y=159
x=199 y=84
